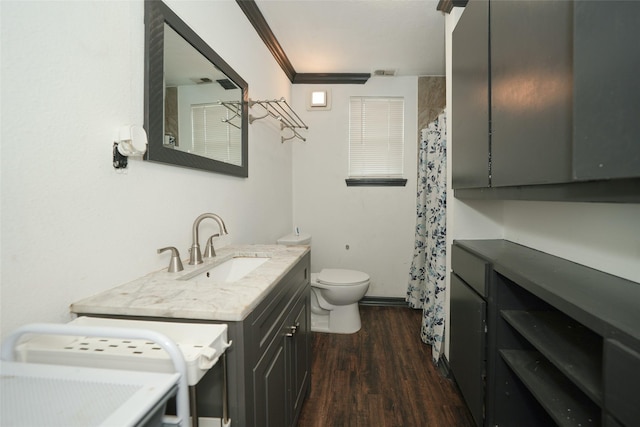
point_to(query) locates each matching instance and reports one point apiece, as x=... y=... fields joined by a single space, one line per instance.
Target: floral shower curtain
x=427 y=275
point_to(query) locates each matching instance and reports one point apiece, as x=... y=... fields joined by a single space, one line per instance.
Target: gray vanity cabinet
x=277 y=352
x=269 y=369
x=281 y=376
x=298 y=345
x=269 y=377
x=268 y=363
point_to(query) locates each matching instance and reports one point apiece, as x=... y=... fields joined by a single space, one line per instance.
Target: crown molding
x=331 y=78
x=448 y=5
x=250 y=9
x=255 y=17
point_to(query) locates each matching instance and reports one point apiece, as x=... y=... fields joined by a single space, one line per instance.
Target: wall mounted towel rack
x=280 y=110
x=236 y=109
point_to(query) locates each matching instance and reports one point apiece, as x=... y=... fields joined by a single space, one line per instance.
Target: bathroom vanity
x=268 y=316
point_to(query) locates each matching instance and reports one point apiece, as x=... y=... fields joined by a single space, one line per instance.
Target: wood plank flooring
x=381 y=376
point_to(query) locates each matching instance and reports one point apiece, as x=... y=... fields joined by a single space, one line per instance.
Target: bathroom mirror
x=196 y=109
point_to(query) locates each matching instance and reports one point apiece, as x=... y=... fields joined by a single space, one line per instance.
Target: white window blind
x=376 y=137
x=212 y=137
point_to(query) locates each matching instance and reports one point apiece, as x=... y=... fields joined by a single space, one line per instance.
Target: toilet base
x=343 y=319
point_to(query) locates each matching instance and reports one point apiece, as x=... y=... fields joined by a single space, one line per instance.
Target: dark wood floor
x=380 y=376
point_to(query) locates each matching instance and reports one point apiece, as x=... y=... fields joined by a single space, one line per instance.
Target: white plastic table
x=8 y=353
x=39 y=395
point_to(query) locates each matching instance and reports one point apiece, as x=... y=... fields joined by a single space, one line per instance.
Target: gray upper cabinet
x=470 y=92
x=530 y=92
x=563 y=107
x=606 y=59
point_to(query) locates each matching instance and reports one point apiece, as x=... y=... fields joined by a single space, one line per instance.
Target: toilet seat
x=340 y=277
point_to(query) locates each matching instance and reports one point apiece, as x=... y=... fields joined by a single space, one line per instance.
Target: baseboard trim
x=384 y=301
x=443 y=367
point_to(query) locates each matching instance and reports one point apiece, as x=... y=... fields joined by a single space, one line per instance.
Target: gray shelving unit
x=569 y=346
x=562 y=340
x=553 y=391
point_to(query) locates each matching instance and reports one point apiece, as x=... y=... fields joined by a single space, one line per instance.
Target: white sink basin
x=231 y=270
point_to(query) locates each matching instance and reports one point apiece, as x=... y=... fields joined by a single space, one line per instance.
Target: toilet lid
x=336 y=276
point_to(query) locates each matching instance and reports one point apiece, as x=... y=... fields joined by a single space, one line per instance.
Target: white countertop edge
x=161 y=295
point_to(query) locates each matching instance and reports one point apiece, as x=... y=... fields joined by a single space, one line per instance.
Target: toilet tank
x=292 y=239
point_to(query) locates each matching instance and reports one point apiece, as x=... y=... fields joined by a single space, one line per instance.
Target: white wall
x=602 y=236
x=377 y=223
x=72 y=226
x=599 y=235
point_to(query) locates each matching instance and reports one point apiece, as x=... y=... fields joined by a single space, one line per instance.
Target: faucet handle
x=209 y=251
x=175 y=264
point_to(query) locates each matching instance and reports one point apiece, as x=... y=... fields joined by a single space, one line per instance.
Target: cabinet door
x=606 y=90
x=298 y=349
x=531 y=92
x=282 y=375
x=470 y=103
x=621 y=379
x=269 y=379
x=467 y=347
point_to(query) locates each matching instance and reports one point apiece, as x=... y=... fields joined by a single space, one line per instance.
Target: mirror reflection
x=195 y=105
x=202 y=105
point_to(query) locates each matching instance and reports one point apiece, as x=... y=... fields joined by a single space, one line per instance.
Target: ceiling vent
x=227 y=84
x=385 y=73
x=201 y=80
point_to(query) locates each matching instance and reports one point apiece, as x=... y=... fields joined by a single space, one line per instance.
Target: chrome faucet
x=175 y=264
x=195 y=257
x=209 y=250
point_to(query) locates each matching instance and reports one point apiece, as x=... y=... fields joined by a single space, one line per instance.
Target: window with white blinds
x=212 y=136
x=376 y=137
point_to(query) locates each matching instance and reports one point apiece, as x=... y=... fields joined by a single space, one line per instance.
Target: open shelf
x=573 y=349
x=567 y=405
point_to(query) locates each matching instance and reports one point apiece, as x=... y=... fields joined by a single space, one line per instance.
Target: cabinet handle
x=293 y=329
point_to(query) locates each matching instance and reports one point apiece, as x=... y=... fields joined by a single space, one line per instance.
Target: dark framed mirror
x=196 y=105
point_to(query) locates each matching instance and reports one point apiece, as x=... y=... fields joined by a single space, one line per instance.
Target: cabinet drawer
x=621 y=379
x=471 y=269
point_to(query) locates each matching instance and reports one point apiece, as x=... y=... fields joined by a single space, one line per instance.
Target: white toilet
x=334 y=294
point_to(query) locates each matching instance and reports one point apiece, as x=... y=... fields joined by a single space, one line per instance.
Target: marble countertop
x=162 y=294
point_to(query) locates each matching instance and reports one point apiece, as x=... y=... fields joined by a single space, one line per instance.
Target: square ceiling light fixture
x=319 y=99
